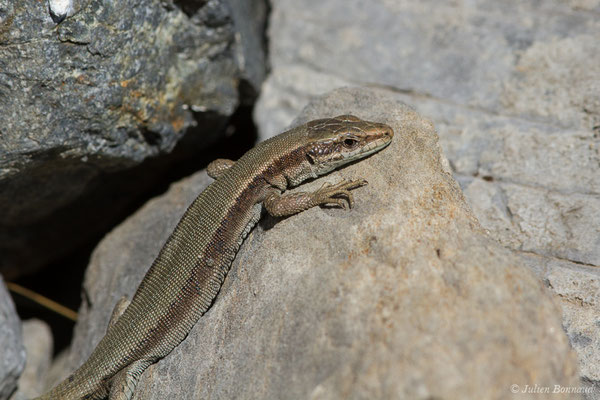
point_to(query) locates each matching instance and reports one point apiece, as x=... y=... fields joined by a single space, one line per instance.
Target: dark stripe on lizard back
x=186 y=276
x=221 y=249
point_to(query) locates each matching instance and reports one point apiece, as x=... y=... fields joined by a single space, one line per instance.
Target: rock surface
x=108 y=87
x=37 y=340
x=12 y=360
x=538 y=64
x=516 y=102
x=578 y=289
x=404 y=296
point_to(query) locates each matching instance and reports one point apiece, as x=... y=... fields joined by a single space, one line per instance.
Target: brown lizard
x=186 y=276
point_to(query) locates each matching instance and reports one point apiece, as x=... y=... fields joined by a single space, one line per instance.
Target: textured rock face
x=111 y=85
x=37 y=340
x=516 y=102
x=12 y=359
x=404 y=296
x=538 y=63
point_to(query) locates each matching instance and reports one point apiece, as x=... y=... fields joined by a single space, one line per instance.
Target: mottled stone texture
x=37 y=340
x=513 y=88
x=12 y=353
x=110 y=86
x=402 y=297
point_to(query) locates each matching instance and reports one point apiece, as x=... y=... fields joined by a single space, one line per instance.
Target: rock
x=563 y=229
x=250 y=20
x=511 y=168
x=556 y=79
x=37 y=339
x=467 y=54
x=286 y=91
x=516 y=102
x=110 y=86
x=404 y=296
x=12 y=361
x=578 y=289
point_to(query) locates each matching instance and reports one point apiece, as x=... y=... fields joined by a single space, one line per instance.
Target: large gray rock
x=516 y=102
x=108 y=87
x=404 y=296
x=12 y=359
x=533 y=184
x=540 y=63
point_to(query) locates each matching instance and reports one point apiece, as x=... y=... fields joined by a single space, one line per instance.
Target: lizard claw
x=338 y=194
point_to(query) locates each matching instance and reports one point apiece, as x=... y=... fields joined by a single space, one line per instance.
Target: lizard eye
x=350 y=142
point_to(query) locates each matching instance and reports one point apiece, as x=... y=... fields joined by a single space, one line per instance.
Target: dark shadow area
x=190 y=7
x=115 y=196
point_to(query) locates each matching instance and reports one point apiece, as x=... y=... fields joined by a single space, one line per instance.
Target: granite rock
x=110 y=86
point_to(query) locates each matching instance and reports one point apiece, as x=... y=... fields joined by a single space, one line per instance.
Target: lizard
x=188 y=272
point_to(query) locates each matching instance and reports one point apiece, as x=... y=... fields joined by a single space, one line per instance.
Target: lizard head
x=340 y=140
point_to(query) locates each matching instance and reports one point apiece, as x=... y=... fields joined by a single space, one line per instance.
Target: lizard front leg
x=280 y=205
